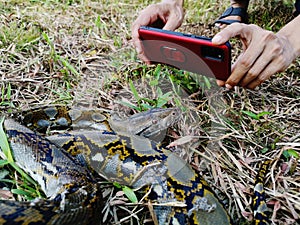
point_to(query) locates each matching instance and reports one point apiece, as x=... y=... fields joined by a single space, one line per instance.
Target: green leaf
x=23 y=174
x=262 y=114
x=3 y=162
x=8 y=181
x=28 y=195
x=8 y=93
x=290 y=153
x=134 y=91
x=157 y=71
x=67 y=65
x=98 y=21
x=254 y=115
x=146 y=106
x=264 y=150
x=117 y=185
x=129 y=105
x=161 y=102
x=152 y=102
x=251 y=114
x=4 y=143
x=207 y=82
x=153 y=83
x=130 y=194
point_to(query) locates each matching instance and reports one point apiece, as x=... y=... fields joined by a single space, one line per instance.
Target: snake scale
x=119 y=150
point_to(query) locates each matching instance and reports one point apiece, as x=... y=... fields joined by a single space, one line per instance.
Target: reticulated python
x=115 y=153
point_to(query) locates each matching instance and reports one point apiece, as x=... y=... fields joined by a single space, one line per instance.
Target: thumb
x=218 y=39
x=230 y=31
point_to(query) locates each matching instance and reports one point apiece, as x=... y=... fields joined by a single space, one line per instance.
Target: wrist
x=291 y=33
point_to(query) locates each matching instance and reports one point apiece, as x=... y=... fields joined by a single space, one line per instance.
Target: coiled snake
x=64 y=165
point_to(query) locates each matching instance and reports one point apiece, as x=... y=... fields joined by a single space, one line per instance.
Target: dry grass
x=79 y=52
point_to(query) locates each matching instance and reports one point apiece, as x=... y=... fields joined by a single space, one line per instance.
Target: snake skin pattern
x=115 y=153
x=260 y=208
x=72 y=191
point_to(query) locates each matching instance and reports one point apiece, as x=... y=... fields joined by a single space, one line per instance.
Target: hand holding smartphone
x=186 y=52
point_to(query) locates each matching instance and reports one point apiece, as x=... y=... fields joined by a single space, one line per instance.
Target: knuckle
x=253 y=26
x=277 y=49
x=252 y=74
x=245 y=62
x=233 y=81
x=261 y=79
x=269 y=36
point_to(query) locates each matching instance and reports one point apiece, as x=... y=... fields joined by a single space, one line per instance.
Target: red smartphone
x=186 y=52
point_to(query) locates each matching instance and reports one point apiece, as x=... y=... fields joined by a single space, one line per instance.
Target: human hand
x=170 y=12
x=264 y=54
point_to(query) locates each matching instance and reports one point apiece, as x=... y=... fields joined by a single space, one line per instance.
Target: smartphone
x=186 y=52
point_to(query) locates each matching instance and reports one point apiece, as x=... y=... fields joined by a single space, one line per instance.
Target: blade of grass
x=67 y=65
x=4 y=145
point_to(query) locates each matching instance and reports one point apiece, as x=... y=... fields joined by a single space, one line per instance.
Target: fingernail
x=228 y=86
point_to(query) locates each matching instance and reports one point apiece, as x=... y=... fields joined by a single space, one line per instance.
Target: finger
x=174 y=20
x=144 y=58
x=220 y=83
x=140 y=21
x=269 y=53
x=232 y=30
x=241 y=68
x=138 y=43
x=250 y=59
x=273 y=67
x=136 y=38
x=233 y=66
x=238 y=68
x=263 y=76
x=171 y=24
x=256 y=69
x=146 y=17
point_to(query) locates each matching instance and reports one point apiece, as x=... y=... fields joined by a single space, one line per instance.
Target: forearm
x=291 y=32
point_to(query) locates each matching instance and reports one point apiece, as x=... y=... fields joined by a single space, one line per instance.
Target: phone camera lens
x=212 y=53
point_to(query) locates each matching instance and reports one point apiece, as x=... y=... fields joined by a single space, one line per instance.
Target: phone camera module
x=212 y=53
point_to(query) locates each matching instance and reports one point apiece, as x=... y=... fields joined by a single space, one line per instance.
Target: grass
x=80 y=53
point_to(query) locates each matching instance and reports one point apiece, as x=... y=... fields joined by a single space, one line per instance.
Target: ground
x=80 y=53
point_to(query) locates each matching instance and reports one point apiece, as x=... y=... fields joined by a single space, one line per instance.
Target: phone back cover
x=191 y=53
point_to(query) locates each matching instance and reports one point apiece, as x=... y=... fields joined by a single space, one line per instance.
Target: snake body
x=260 y=208
x=114 y=153
x=72 y=191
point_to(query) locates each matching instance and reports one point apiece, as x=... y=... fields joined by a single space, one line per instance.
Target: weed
x=20 y=34
x=256 y=116
x=127 y=191
x=25 y=182
x=144 y=103
x=57 y=58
